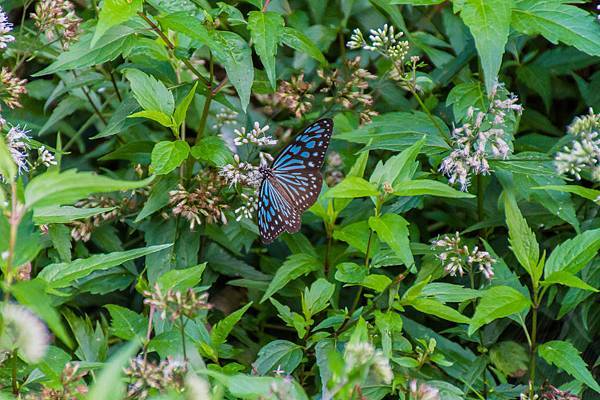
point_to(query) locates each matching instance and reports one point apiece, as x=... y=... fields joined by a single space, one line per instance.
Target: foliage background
x=360 y=303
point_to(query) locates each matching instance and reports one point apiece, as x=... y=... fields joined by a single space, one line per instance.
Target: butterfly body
x=293 y=182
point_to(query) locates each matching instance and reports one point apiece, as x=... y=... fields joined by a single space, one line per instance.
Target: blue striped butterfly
x=293 y=181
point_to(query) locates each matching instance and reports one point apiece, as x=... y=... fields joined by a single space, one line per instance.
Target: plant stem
x=327 y=265
x=207 y=101
x=479 y=198
x=15 y=219
x=533 y=345
x=264 y=8
x=114 y=83
x=430 y=116
x=171 y=47
x=148 y=333
x=348 y=323
x=182 y=330
x=15 y=387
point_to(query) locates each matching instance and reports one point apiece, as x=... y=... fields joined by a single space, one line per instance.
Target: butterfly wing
x=307 y=151
x=296 y=169
x=275 y=213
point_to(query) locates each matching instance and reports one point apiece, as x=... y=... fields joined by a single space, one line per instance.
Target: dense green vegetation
x=451 y=254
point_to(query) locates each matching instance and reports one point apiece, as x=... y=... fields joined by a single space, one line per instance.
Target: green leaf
x=434 y=307
x=397 y=131
x=349 y=272
x=54 y=189
x=149 y=92
x=294 y=266
x=558 y=21
x=181 y=279
x=126 y=324
x=522 y=239
x=60 y=235
x=510 y=357
x=109 y=384
x=317 y=297
x=278 y=355
x=291 y=319
x=586 y=193
x=154 y=115
x=168 y=155
x=376 y=282
x=8 y=169
x=159 y=196
x=393 y=230
x=489 y=23
x=63 y=274
x=256 y=387
x=212 y=149
x=497 y=302
x=574 y=254
x=449 y=293
x=230 y=50
x=33 y=295
x=266 y=29
x=114 y=12
x=81 y=54
x=398 y=168
x=223 y=328
x=567 y=279
x=66 y=214
x=465 y=95
x=429 y=187
x=182 y=108
x=566 y=357
x=300 y=42
x=352 y=187
x=417 y=2
x=356 y=235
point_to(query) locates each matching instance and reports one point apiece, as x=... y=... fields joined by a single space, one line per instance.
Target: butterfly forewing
x=294 y=181
x=308 y=149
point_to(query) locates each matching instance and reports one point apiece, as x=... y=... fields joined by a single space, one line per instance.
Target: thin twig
x=171 y=47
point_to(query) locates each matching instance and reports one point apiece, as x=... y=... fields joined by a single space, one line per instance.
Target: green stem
x=182 y=330
x=171 y=47
x=430 y=116
x=533 y=346
x=479 y=198
x=15 y=387
x=15 y=219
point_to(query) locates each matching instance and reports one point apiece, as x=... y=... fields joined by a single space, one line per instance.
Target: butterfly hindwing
x=302 y=187
x=275 y=213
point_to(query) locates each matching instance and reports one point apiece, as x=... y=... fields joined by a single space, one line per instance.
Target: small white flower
x=256 y=136
x=249 y=208
x=24 y=332
x=46 y=157
x=356 y=40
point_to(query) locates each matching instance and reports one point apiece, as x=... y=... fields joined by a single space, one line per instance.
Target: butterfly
x=293 y=181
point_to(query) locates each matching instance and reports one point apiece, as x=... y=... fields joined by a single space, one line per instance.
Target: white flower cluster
x=241 y=172
x=256 y=136
x=17 y=141
x=483 y=134
x=46 y=157
x=5 y=28
x=583 y=153
x=363 y=354
x=248 y=208
x=383 y=40
x=423 y=391
x=225 y=117
x=24 y=332
x=456 y=257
